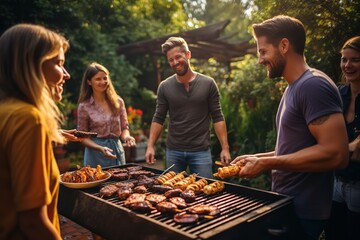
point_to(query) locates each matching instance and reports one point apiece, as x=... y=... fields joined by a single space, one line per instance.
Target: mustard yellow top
x=28 y=170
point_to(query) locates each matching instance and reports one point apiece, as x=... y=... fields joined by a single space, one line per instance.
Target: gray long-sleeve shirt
x=190 y=112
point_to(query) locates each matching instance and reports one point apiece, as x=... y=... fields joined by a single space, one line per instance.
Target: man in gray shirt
x=192 y=100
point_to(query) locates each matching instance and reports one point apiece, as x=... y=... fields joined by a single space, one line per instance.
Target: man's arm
x=330 y=152
x=155 y=131
x=221 y=133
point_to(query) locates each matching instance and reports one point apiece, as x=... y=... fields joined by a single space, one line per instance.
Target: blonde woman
x=32 y=75
x=103 y=111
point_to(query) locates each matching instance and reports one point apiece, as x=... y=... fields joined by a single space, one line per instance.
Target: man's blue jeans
x=198 y=162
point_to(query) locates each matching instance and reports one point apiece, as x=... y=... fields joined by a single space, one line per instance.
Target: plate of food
x=82 y=134
x=85 y=177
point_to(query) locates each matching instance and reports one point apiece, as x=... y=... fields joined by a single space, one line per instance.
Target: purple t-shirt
x=311 y=96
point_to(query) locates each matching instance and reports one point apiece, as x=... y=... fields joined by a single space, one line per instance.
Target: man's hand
x=150 y=155
x=250 y=166
x=225 y=157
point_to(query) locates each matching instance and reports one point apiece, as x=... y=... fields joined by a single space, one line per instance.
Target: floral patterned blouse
x=92 y=118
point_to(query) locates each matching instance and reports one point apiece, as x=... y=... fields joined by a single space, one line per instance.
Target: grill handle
x=278 y=232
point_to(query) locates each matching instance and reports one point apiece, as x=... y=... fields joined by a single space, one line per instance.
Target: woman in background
x=103 y=111
x=344 y=222
x=32 y=75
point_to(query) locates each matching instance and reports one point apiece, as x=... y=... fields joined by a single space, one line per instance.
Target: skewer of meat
x=178 y=177
x=198 y=185
x=228 y=171
x=213 y=188
x=185 y=182
x=162 y=179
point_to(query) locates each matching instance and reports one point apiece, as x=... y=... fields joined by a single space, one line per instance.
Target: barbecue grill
x=245 y=213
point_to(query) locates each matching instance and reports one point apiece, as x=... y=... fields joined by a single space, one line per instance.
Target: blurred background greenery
x=249 y=100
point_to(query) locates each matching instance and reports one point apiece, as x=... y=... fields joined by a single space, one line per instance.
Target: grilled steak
x=140 y=189
x=173 y=193
x=124 y=193
x=108 y=190
x=166 y=207
x=186 y=218
x=154 y=198
x=178 y=201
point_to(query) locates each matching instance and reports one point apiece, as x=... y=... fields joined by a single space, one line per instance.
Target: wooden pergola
x=204 y=43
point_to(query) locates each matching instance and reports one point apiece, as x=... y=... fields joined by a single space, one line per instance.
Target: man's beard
x=277 y=69
x=183 y=71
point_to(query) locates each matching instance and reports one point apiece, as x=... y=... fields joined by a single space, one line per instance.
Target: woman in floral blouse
x=103 y=111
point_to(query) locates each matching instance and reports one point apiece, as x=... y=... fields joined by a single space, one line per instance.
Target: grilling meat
x=198 y=185
x=117 y=170
x=167 y=207
x=134 y=168
x=188 y=195
x=134 y=198
x=140 y=189
x=173 y=193
x=145 y=181
x=182 y=184
x=186 y=218
x=125 y=184
x=178 y=177
x=213 y=188
x=124 y=193
x=162 y=179
x=120 y=176
x=228 y=171
x=203 y=209
x=136 y=174
x=178 y=201
x=144 y=206
x=154 y=198
x=108 y=190
x=160 y=188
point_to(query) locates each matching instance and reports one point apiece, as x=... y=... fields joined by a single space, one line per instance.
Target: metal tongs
x=166 y=170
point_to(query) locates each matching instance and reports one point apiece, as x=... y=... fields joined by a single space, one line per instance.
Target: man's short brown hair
x=174 y=42
x=279 y=27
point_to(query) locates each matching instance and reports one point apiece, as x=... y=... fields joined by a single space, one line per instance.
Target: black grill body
x=246 y=213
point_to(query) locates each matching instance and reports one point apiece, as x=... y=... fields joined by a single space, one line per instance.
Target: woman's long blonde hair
x=23 y=50
x=86 y=91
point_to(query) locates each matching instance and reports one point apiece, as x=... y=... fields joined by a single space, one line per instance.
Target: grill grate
x=232 y=206
x=243 y=211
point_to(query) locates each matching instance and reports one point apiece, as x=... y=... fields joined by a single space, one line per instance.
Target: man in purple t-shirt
x=311 y=134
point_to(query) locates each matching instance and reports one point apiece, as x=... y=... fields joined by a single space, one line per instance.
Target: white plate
x=85 y=184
